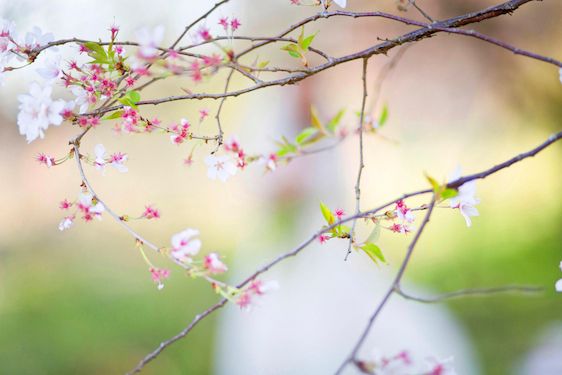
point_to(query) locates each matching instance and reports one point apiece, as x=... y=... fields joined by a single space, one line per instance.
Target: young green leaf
x=384 y=116
x=374 y=252
x=305 y=135
x=449 y=193
x=114 y=115
x=327 y=213
x=315 y=121
x=305 y=43
x=335 y=121
x=134 y=96
x=293 y=50
x=375 y=234
x=434 y=184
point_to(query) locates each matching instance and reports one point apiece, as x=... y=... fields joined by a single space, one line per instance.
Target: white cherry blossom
x=66 y=223
x=149 y=40
x=99 y=152
x=465 y=200
x=185 y=244
x=50 y=70
x=36 y=39
x=37 y=111
x=221 y=167
x=81 y=100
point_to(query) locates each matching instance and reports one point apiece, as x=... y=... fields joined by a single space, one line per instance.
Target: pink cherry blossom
x=235 y=24
x=65 y=204
x=203 y=113
x=151 y=213
x=117 y=159
x=323 y=238
x=213 y=263
x=403 y=212
x=49 y=161
x=339 y=213
x=158 y=275
x=223 y=21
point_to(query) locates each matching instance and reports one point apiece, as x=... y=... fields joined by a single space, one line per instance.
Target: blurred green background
x=82 y=301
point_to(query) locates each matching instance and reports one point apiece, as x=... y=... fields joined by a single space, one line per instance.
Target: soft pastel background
x=82 y=301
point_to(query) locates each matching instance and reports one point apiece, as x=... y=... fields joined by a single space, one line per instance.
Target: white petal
x=558 y=285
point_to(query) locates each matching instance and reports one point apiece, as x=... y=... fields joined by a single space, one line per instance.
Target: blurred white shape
x=546 y=357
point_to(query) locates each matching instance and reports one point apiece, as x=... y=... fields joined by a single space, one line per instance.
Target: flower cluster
x=256 y=288
x=87 y=206
x=406 y=217
x=404 y=364
x=116 y=160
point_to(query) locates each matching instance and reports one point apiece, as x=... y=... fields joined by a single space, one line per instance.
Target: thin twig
x=421 y=11
x=361 y=161
x=472 y=292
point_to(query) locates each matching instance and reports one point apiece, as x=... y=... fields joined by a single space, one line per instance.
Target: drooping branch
x=471 y=292
x=454 y=184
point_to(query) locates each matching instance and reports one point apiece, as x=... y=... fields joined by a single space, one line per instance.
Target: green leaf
x=301 y=36
x=95 y=48
x=286 y=147
x=375 y=234
x=127 y=102
x=305 y=134
x=449 y=193
x=114 y=115
x=343 y=229
x=315 y=121
x=335 y=121
x=434 y=184
x=305 y=43
x=327 y=213
x=293 y=50
x=134 y=96
x=374 y=252
x=263 y=64
x=384 y=116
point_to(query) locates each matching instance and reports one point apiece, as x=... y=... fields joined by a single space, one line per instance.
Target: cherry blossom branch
x=280 y=258
x=352 y=357
x=472 y=292
x=361 y=161
x=499 y=43
x=449 y=25
x=76 y=150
